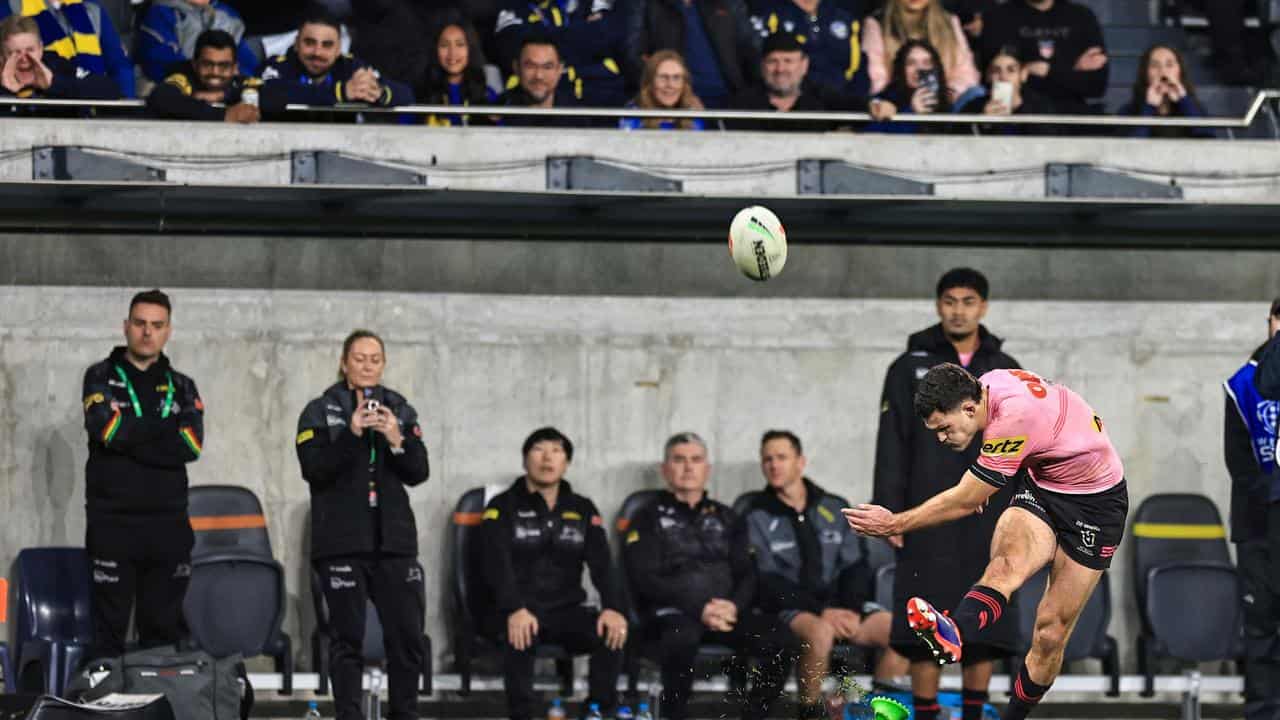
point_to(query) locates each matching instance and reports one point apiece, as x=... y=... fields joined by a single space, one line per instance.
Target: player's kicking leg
x=1023 y=543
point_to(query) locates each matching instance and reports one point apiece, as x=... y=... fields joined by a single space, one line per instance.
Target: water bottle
x=624 y=713
x=249 y=97
x=593 y=712
x=313 y=711
x=643 y=713
x=556 y=711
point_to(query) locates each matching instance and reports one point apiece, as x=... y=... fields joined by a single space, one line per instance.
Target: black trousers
x=394 y=584
x=678 y=636
x=140 y=566
x=574 y=628
x=1258 y=562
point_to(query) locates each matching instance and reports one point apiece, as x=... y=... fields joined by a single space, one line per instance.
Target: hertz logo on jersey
x=1006 y=447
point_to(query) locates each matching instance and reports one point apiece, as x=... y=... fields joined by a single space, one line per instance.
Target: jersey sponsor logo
x=633 y=537
x=1004 y=447
x=839 y=30
x=271 y=73
x=102 y=577
x=526 y=513
x=1089 y=538
x=334 y=421
x=826 y=514
x=781 y=546
x=921 y=372
x=570 y=515
x=415 y=575
x=93 y=399
x=831 y=537
x=305 y=435
x=665 y=522
x=338 y=583
x=491 y=514
x=523 y=532
x=115 y=383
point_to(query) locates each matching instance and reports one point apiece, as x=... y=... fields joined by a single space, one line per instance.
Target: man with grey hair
x=687 y=558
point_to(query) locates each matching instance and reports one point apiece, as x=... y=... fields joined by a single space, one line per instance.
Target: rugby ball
x=758 y=243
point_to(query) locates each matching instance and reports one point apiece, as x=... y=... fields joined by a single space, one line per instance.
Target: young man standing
x=1073 y=499
x=912 y=467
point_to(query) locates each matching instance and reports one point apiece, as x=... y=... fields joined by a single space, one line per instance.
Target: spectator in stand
x=916 y=89
x=1007 y=94
x=79 y=31
x=539 y=69
x=1060 y=44
x=831 y=34
x=455 y=73
x=192 y=89
x=588 y=33
x=1226 y=29
x=389 y=35
x=29 y=73
x=901 y=21
x=1163 y=90
x=970 y=13
x=168 y=33
x=665 y=85
x=316 y=72
x=714 y=36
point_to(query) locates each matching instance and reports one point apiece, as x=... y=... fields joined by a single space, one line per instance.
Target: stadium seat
x=885 y=575
x=472 y=600
x=1121 y=12
x=1180 y=551
x=1088 y=640
x=641 y=647
x=1133 y=40
x=53 y=623
x=374 y=651
x=236 y=600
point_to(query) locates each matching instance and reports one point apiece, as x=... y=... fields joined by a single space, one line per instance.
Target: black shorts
x=1088 y=527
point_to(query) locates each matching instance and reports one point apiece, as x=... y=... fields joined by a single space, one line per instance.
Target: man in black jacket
x=539 y=70
x=359 y=445
x=1060 y=44
x=1249 y=446
x=145 y=422
x=814 y=574
x=190 y=90
x=714 y=36
x=589 y=33
x=536 y=536
x=912 y=466
x=691 y=570
x=28 y=72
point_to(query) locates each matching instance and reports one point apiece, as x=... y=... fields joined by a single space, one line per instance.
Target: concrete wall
x=616 y=374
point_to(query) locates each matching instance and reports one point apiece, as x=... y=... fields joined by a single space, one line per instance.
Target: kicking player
x=1075 y=501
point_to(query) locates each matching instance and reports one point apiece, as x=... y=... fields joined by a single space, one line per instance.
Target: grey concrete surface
x=617 y=374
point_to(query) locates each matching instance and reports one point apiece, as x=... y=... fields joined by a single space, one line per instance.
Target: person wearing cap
x=535 y=538
x=785 y=88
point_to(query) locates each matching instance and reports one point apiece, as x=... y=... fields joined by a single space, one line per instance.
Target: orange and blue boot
x=937 y=630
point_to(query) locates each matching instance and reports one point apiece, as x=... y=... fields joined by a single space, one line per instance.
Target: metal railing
x=1081 y=121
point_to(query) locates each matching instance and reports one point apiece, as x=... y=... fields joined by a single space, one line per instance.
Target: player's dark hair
x=1275 y=307
x=782 y=435
x=351 y=340
x=538 y=37
x=944 y=388
x=319 y=15
x=216 y=39
x=543 y=434
x=151 y=297
x=964 y=277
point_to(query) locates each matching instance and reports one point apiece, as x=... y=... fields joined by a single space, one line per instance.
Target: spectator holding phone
x=916 y=89
x=666 y=83
x=901 y=21
x=1060 y=43
x=1162 y=89
x=1007 y=94
x=360 y=445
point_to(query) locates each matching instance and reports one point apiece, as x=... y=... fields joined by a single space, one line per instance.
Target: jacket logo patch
x=633 y=536
x=826 y=514
x=526 y=514
x=523 y=532
x=334 y=421
x=94 y=399
x=570 y=515
x=1004 y=447
x=782 y=546
x=305 y=435
x=666 y=522
x=491 y=514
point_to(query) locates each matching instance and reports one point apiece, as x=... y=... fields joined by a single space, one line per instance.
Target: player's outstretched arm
x=969 y=496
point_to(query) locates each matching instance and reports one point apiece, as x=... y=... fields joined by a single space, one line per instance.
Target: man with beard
x=190 y=91
x=539 y=68
x=911 y=466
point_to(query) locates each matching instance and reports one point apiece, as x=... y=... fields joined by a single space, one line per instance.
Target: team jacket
x=807 y=561
x=589 y=34
x=137 y=458
x=832 y=39
x=168 y=33
x=329 y=89
x=174 y=98
x=70 y=82
x=534 y=554
x=1249 y=448
x=80 y=31
x=347 y=516
x=680 y=557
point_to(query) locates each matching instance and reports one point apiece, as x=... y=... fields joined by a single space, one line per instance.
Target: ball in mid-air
x=758 y=243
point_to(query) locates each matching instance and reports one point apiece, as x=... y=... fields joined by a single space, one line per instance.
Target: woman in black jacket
x=359 y=445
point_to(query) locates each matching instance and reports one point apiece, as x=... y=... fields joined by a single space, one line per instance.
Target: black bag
x=197 y=685
x=120 y=708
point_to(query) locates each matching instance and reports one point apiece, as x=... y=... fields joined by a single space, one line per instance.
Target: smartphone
x=1002 y=92
x=928 y=79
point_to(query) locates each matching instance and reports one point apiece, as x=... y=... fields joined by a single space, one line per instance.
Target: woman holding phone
x=360 y=445
x=887 y=30
x=1007 y=94
x=916 y=89
x=1162 y=89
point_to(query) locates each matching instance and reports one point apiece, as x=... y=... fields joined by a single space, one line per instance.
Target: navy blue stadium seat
x=1088 y=640
x=52 y=625
x=1180 y=551
x=1133 y=40
x=472 y=599
x=236 y=600
x=1120 y=12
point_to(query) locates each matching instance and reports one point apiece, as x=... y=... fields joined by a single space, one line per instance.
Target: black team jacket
x=174 y=98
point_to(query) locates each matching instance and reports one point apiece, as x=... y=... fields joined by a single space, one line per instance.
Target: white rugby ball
x=758 y=243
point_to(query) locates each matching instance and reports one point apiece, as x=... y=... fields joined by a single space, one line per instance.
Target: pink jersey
x=1047 y=429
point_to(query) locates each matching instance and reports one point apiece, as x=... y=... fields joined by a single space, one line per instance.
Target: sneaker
x=937 y=630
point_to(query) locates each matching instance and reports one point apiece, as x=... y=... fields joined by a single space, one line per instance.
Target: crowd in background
x=231 y=60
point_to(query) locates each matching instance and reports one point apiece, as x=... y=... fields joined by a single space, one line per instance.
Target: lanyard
x=133 y=396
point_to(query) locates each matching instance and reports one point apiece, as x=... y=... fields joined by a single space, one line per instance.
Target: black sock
x=925 y=708
x=979 y=608
x=974 y=702
x=1026 y=695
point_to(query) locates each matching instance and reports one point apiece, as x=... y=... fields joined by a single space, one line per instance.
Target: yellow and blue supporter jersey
x=832 y=39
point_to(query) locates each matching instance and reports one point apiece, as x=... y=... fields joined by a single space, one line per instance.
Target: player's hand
x=728 y=610
x=242 y=113
x=43 y=75
x=882 y=110
x=613 y=628
x=845 y=622
x=1092 y=59
x=9 y=75
x=1174 y=90
x=871 y=520
x=1039 y=68
x=362 y=418
x=923 y=101
x=1155 y=94
x=995 y=107
x=895 y=541
x=522 y=628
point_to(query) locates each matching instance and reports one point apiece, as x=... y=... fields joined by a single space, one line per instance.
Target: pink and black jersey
x=1049 y=430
